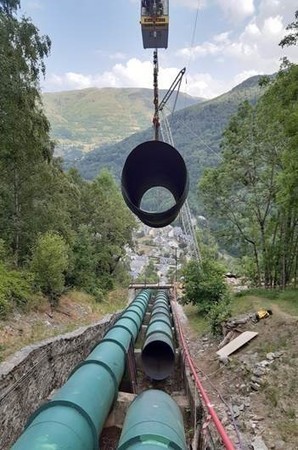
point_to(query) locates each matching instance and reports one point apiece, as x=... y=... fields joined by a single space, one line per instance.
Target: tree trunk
x=16 y=218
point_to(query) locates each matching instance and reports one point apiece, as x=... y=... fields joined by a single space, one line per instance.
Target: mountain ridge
x=86 y=118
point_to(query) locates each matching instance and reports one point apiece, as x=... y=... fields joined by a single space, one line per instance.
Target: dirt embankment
x=24 y=328
x=255 y=392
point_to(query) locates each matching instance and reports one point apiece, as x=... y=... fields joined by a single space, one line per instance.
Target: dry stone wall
x=28 y=378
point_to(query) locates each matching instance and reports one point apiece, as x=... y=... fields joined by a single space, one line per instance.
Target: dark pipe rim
x=158 y=360
x=151 y=164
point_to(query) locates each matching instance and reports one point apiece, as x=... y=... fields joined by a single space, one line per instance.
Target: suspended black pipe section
x=152 y=164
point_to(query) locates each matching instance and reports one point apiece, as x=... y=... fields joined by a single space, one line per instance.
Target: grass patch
x=255 y=299
x=112 y=302
x=197 y=323
x=37 y=329
x=272 y=395
x=288 y=429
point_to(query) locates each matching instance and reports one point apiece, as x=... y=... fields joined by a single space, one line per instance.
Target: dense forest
x=252 y=195
x=56 y=229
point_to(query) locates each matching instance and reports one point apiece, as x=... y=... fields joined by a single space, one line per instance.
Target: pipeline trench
x=137 y=389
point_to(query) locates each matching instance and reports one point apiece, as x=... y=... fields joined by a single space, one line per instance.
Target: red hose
x=221 y=430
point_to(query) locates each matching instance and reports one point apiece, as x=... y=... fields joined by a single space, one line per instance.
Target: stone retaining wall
x=28 y=378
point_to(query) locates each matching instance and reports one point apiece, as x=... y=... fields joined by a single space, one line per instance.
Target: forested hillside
x=196 y=130
x=84 y=119
x=252 y=195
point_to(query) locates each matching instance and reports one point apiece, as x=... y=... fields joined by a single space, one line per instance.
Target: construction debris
x=236 y=343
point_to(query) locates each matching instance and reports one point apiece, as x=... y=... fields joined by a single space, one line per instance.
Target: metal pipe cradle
x=74 y=418
x=158 y=353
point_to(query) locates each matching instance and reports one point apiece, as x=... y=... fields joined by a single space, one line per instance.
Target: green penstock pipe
x=158 y=352
x=153 y=422
x=74 y=418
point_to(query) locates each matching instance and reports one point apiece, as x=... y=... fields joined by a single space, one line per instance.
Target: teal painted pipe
x=75 y=416
x=158 y=353
x=153 y=421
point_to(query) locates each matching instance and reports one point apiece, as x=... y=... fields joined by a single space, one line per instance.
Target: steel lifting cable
x=221 y=430
x=155 y=121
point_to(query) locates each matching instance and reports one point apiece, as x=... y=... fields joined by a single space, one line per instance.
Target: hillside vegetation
x=84 y=119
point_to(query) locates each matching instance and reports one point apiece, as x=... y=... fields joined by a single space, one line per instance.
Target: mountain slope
x=88 y=118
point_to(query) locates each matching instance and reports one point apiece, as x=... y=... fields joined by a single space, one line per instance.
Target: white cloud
x=273 y=26
x=204 y=85
x=245 y=75
x=192 y=4
x=237 y=10
x=134 y=73
x=117 y=55
x=254 y=50
x=222 y=37
x=33 y=4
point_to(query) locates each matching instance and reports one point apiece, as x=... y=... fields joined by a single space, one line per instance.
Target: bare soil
x=24 y=328
x=257 y=405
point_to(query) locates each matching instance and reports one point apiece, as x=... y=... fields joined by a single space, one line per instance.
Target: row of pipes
x=74 y=418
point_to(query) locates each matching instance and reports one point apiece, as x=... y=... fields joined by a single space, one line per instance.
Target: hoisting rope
x=156 y=123
x=222 y=432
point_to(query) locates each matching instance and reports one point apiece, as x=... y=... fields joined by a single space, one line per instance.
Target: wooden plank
x=236 y=343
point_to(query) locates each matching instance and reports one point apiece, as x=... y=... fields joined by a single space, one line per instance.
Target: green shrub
x=15 y=289
x=49 y=263
x=204 y=284
x=219 y=313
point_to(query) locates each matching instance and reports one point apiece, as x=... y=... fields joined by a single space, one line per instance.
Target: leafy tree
x=109 y=222
x=15 y=289
x=219 y=313
x=49 y=263
x=25 y=146
x=253 y=191
x=102 y=226
x=204 y=284
x=82 y=273
x=291 y=38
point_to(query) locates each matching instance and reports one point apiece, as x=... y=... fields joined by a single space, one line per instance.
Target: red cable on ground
x=222 y=432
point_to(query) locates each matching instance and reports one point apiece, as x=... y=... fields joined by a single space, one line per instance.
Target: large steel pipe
x=158 y=353
x=75 y=416
x=152 y=164
x=153 y=421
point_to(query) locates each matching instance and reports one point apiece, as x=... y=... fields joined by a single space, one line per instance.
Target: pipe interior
x=158 y=360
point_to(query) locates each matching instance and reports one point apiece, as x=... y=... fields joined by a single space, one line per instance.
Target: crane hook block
x=155 y=23
x=154 y=164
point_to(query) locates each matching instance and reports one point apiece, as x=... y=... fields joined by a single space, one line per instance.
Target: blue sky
x=98 y=43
